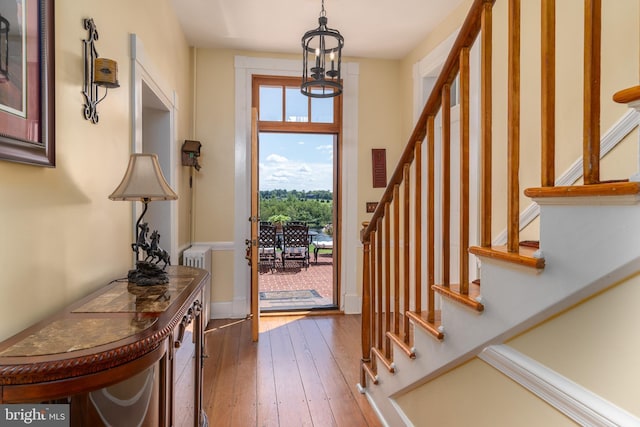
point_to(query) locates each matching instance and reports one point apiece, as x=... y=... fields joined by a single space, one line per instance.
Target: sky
x=296 y=161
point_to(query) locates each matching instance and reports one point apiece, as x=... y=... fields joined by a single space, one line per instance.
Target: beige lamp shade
x=143 y=181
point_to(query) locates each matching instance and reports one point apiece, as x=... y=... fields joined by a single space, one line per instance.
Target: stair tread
x=611 y=188
x=368 y=370
x=388 y=363
x=420 y=320
x=453 y=291
x=525 y=255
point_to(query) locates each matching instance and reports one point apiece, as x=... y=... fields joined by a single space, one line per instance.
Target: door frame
x=245 y=68
x=145 y=86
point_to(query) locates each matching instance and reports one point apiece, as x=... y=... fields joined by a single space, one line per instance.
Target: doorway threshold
x=316 y=311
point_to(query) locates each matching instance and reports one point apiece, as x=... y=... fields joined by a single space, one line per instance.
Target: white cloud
x=276 y=158
x=282 y=173
x=296 y=176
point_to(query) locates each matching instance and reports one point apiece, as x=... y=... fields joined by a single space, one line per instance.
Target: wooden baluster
x=464 y=171
x=405 y=253
x=548 y=91
x=366 y=309
x=431 y=212
x=387 y=278
x=379 y=284
x=486 y=117
x=396 y=259
x=513 y=143
x=417 y=253
x=446 y=181
x=591 y=120
x=374 y=289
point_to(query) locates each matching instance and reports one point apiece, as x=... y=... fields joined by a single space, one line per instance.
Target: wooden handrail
x=468 y=33
x=628 y=95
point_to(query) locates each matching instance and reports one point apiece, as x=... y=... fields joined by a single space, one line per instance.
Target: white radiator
x=199 y=256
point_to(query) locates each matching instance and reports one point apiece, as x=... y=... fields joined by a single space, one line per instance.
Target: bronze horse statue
x=141 y=241
x=155 y=253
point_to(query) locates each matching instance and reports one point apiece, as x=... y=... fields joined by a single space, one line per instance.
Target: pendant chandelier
x=322 y=59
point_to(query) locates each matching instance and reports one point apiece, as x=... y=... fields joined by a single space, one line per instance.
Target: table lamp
x=143 y=181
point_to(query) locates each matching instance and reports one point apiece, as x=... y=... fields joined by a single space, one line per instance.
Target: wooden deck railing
x=400 y=242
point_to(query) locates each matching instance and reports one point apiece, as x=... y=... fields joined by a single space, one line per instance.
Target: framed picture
x=27 y=120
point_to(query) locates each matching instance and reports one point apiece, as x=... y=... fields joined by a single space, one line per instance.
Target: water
x=321 y=236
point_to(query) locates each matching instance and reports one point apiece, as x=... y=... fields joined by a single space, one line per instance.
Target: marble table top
x=118 y=311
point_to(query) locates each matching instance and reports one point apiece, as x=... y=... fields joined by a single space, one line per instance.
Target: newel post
x=366 y=303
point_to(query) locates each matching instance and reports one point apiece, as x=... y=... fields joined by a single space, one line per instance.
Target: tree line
x=313 y=207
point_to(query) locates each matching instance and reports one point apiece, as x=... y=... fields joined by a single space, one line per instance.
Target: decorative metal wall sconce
x=98 y=72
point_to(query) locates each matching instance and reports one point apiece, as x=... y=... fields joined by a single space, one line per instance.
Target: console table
x=124 y=355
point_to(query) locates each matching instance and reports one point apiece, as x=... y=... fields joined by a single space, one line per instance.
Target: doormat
x=290 y=295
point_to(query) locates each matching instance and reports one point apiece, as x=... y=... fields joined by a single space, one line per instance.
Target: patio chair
x=267 y=246
x=295 y=245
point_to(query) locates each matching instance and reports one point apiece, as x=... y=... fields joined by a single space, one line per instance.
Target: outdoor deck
x=298 y=288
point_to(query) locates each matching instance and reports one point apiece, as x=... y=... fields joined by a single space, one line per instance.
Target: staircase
x=426 y=308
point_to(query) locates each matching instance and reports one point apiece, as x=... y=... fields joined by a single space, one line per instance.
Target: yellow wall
x=60 y=236
x=596 y=333
x=460 y=398
x=432 y=41
x=215 y=129
x=379 y=125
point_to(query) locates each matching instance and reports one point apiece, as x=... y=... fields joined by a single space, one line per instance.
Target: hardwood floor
x=303 y=371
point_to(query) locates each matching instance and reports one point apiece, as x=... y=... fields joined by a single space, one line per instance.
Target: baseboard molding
x=627 y=123
x=352 y=304
x=573 y=400
x=228 y=310
x=221 y=310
